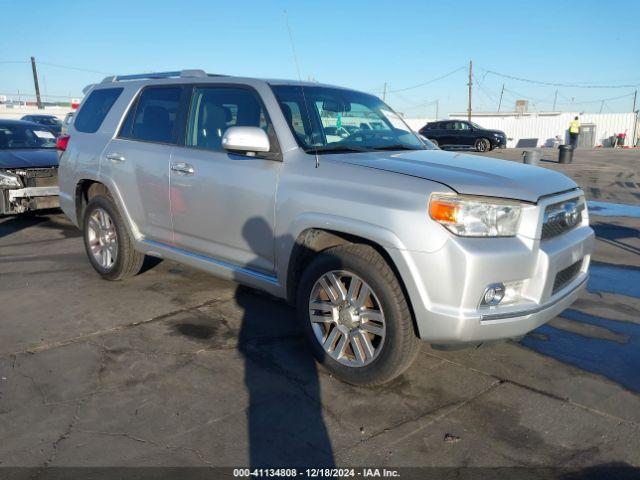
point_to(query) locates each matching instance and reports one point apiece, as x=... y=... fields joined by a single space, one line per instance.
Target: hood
x=499 y=132
x=468 y=174
x=28 y=158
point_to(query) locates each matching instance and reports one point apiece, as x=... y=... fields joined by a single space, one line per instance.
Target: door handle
x=183 y=168
x=115 y=157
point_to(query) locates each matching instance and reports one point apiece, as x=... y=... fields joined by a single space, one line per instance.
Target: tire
x=393 y=351
x=125 y=261
x=482 y=145
x=435 y=142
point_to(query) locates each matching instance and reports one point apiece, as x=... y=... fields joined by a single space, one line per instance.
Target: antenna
x=295 y=59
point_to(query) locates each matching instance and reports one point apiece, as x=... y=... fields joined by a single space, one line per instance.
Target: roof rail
x=153 y=75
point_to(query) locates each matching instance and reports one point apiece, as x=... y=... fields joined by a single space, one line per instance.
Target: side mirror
x=245 y=140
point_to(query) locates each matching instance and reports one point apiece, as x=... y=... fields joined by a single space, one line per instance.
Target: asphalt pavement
x=177 y=368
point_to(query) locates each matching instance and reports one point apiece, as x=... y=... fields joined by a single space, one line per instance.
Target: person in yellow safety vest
x=574 y=131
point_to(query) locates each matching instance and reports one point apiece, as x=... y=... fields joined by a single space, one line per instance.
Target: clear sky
x=360 y=44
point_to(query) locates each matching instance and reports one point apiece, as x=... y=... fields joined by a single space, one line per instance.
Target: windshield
x=21 y=136
x=47 y=120
x=334 y=120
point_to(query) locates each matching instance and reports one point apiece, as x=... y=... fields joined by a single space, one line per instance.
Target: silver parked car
x=68 y=118
x=379 y=240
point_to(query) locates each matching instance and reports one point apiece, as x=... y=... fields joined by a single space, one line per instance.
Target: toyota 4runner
x=325 y=197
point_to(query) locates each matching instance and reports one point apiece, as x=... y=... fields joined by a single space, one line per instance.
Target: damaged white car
x=28 y=167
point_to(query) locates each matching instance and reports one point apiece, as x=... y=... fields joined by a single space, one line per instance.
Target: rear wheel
x=107 y=241
x=483 y=145
x=355 y=316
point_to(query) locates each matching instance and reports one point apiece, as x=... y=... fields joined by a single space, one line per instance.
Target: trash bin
x=565 y=154
x=531 y=157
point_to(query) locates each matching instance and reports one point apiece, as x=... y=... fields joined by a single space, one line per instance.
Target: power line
x=567 y=101
x=554 y=84
x=600 y=100
x=428 y=81
x=55 y=65
x=75 y=68
x=484 y=91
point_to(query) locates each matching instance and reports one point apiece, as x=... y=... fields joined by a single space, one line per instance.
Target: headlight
x=8 y=180
x=471 y=216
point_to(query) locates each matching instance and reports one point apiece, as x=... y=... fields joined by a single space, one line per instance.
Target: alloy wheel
x=102 y=238
x=347 y=318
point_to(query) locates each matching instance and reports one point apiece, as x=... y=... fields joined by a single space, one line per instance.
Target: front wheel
x=355 y=316
x=483 y=145
x=107 y=242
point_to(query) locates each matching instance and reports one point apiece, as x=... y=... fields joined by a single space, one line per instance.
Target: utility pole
x=437 y=107
x=601 y=106
x=384 y=92
x=35 y=82
x=470 y=86
x=635 y=124
x=501 y=93
x=555 y=98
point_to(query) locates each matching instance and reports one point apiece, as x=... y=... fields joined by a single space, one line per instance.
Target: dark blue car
x=52 y=122
x=28 y=167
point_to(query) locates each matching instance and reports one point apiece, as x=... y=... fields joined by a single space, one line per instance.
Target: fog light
x=502 y=293
x=493 y=295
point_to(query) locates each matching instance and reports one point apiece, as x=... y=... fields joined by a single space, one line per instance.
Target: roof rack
x=154 y=75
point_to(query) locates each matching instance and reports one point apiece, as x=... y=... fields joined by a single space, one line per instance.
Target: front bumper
x=499 y=142
x=39 y=191
x=28 y=199
x=446 y=286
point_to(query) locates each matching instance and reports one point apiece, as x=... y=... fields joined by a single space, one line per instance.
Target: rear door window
x=153 y=116
x=95 y=109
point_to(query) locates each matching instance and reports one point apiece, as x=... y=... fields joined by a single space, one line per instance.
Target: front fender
x=334 y=223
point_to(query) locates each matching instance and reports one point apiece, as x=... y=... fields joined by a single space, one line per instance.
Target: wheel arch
x=87 y=188
x=314 y=240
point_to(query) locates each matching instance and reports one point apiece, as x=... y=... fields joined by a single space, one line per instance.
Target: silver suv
x=325 y=197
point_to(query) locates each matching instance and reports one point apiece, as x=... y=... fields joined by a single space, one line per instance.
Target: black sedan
x=463 y=135
x=52 y=122
x=28 y=167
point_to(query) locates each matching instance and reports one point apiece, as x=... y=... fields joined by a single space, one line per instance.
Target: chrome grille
x=561 y=217
x=565 y=276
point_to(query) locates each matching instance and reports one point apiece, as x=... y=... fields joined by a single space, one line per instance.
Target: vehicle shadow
x=16 y=223
x=613 y=234
x=286 y=427
x=610 y=471
x=50 y=219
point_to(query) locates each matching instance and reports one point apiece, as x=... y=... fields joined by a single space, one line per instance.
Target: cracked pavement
x=177 y=368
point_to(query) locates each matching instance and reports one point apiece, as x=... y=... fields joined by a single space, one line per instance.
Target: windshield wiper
x=396 y=147
x=336 y=149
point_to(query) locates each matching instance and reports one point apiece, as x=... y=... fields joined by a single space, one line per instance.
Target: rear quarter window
x=95 y=109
